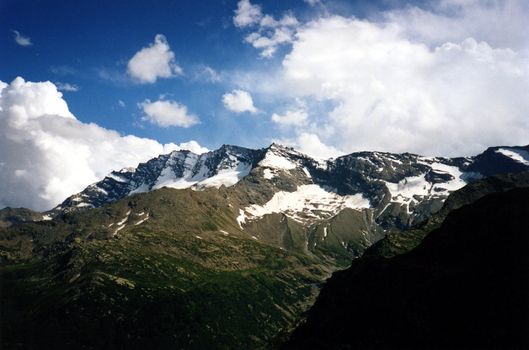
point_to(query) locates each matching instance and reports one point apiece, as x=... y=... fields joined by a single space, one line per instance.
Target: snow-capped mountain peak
x=178 y=169
x=399 y=188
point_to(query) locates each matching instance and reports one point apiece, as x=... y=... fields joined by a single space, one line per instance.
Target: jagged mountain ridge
x=178 y=169
x=401 y=189
x=12 y=216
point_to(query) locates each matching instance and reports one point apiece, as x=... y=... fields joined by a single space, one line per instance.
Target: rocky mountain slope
x=311 y=203
x=179 y=169
x=465 y=286
x=162 y=269
x=222 y=250
x=13 y=216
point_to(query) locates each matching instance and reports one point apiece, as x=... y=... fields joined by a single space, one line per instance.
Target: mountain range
x=401 y=189
x=226 y=249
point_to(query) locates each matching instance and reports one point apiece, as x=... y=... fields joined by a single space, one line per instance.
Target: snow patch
x=227 y=176
x=456 y=183
x=142 y=220
x=321 y=163
x=125 y=218
x=168 y=177
x=118 y=229
x=517 y=155
x=141 y=189
x=241 y=219
x=274 y=161
x=96 y=188
x=116 y=177
x=383 y=209
x=404 y=191
x=268 y=174
x=121 y=224
x=84 y=205
x=308 y=201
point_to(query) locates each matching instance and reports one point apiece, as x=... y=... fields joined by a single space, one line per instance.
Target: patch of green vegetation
x=157 y=287
x=164 y=269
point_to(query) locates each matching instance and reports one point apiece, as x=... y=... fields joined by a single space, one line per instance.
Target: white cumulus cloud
x=239 y=101
x=396 y=94
x=67 y=87
x=449 y=78
x=46 y=154
x=168 y=113
x=310 y=144
x=292 y=117
x=21 y=39
x=313 y=2
x=207 y=74
x=269 y=41
x=192 y=146
x=153 y=62
x=246 y=14
x=267 y=33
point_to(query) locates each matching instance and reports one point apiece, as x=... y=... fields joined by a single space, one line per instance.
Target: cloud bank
x=46 y=154
x=451 y=78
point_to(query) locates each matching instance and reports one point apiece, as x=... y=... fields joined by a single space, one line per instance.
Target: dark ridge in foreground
x=399 y=242
x=465 y=286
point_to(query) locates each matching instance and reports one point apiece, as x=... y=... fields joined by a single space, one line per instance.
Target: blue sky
x=76 y=42
x=439 y=77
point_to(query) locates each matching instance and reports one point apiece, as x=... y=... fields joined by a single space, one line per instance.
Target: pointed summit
x=281 y=157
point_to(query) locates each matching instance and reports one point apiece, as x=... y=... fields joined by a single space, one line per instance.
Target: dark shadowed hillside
x=465 y=286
